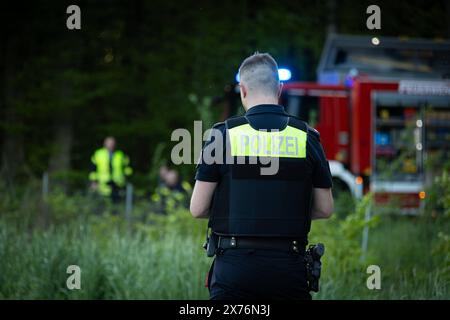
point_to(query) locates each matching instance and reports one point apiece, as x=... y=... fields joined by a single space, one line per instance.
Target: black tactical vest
x=248 y=203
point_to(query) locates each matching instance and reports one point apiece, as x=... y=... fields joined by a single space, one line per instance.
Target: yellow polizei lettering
x=287 y=143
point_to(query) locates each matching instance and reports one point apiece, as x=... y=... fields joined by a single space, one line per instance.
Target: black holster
x=313 y=265
x=211 y=244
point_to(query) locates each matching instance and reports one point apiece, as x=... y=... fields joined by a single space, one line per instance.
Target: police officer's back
x=260 y=200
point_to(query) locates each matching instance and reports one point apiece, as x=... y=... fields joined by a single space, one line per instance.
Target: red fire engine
x=383 y=113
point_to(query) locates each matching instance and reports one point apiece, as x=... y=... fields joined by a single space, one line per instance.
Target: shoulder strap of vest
x=297 y=123
x=293 y=122
x=217 y=124
x=300 y=124
x=235 y=122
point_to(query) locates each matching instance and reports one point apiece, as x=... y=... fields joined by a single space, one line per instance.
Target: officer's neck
x=259 y=101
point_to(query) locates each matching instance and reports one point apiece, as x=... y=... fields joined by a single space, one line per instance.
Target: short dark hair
x=260 y=72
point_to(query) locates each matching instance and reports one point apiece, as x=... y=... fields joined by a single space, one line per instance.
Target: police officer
x=260 y=219
x=171 y=192
x=109 y=170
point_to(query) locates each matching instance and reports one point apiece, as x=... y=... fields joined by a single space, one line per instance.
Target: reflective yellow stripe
x=186 y=186
x=248 y=142
x=93 y=176
x=127 y=171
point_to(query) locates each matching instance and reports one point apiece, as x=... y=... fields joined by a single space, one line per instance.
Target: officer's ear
x=243 y=90
x=280 y=89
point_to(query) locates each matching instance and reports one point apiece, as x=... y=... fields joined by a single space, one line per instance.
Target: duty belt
x=279 y=244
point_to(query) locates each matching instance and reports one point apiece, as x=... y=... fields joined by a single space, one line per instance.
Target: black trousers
x=242 y=274
x=115 y=193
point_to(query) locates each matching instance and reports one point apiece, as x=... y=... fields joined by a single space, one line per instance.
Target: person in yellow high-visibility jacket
x=110 y=169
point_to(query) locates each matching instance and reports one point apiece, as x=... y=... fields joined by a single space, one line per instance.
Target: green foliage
x=342 y=239
x=114 y=264
x=150 y=256
x=443 y=185
x=158 y=160
x=138 y=70
x=203 y=109
x=155 y=256
x=130 y=70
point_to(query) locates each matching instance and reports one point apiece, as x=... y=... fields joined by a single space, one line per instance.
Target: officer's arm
x=201 y=198
x=322 y=206
x=322 y=203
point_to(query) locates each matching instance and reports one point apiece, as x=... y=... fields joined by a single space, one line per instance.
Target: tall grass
x=160 y=257
x=115 y=263
x=405 y=250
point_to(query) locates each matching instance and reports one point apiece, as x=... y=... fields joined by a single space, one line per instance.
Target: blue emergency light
x=284 y=74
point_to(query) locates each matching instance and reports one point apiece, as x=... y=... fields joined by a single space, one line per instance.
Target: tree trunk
x=60 y=158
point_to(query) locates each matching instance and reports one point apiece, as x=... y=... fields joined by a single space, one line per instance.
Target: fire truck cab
x=383 y=113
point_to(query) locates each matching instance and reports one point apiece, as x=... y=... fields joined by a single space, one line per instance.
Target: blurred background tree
x=131 y=68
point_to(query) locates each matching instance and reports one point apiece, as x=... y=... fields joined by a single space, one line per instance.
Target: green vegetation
x=140 y=69
x=160 y=257
x=137 y=70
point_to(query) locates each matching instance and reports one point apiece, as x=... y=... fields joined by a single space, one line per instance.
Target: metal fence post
x=45 y=198
x=129 y=202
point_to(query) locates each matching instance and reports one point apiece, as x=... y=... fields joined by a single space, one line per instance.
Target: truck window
x=304 y=107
